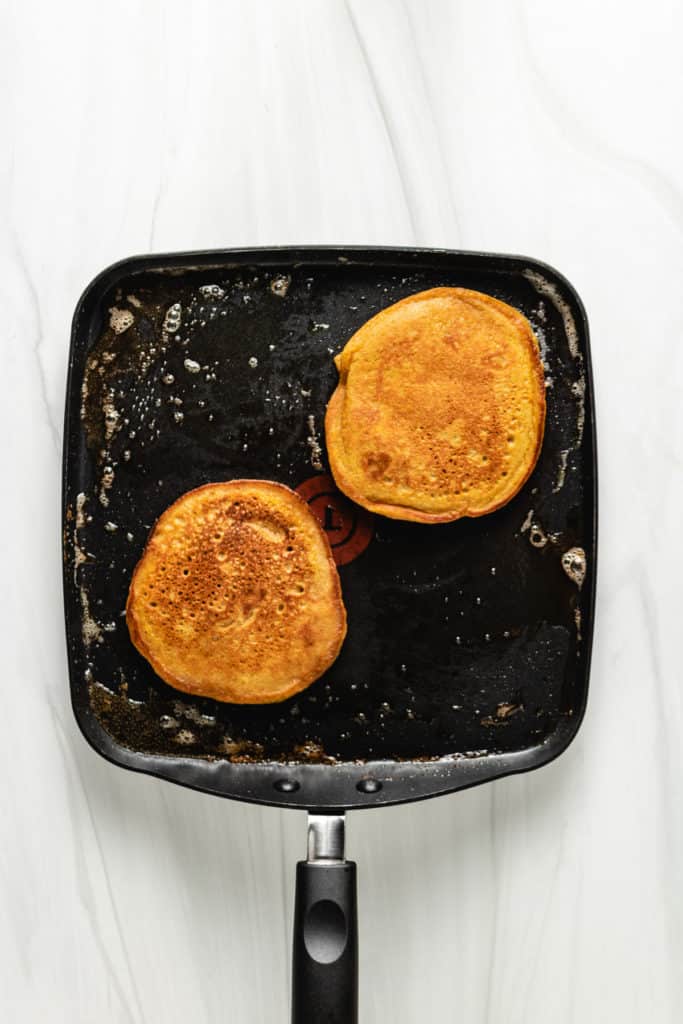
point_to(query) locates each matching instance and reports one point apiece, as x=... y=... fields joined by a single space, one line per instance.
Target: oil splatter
x=574 y=564
x=173 y=318
x=503 y=713
x=562 y=471
x=79 y=553
x=280 y=285
x=120 y=319
x=550 y=290
x=90 y=628
x=211 y=291
x=105 y=485
x=313 y=442
x=112 y=417
x=537 y=536
x=579 y=392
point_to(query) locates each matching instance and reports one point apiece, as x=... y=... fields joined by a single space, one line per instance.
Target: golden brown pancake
x=236 y=596
x=440 y=407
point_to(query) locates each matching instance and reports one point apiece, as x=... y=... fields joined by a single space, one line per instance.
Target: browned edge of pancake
x=244 y=697
x=335 y=404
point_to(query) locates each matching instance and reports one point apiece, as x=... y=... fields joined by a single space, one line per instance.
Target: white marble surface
x=543 y=128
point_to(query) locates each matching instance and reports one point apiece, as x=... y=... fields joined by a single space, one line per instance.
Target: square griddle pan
x=468 y=648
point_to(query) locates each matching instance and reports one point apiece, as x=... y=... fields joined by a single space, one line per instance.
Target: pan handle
x=325 y=956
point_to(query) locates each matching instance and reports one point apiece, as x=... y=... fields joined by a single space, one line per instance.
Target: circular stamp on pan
x=349 y=528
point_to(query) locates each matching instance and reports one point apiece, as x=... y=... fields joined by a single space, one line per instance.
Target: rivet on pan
x=286 y=785
x=369 y=786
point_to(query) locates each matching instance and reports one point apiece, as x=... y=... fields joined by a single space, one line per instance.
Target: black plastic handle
x=325 y=961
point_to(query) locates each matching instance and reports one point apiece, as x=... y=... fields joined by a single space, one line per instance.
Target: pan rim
x=431 y=778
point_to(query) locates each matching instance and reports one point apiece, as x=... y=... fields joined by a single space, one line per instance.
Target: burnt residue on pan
x=463 y=638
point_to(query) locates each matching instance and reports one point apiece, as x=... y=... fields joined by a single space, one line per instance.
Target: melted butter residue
x=280 y=285
x=579 y=392
x=574 y=564
x=105 y=485
x=551 y=292
x=504 y=712
x=112 y=417
x=313 y=753
x=577 y=621
x=79 y=553
x=313 y=442
x=562 y=471
x=120 y=319
x=212 y=291
x=538 y=538
x=173 y=318
x=90 y=628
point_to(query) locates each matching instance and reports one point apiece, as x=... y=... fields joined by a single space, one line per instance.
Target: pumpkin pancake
x=236 y=596
x=440 y=407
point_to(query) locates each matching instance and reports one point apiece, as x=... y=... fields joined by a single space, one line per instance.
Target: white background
x=550 y=129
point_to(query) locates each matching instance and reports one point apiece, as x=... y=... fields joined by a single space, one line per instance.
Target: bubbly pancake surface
x=440 y=407
x=236 y=596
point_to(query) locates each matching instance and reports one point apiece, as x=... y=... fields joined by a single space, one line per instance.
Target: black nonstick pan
x=469 y=643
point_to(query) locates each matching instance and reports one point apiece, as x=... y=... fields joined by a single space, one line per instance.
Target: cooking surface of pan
x=468 y=644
